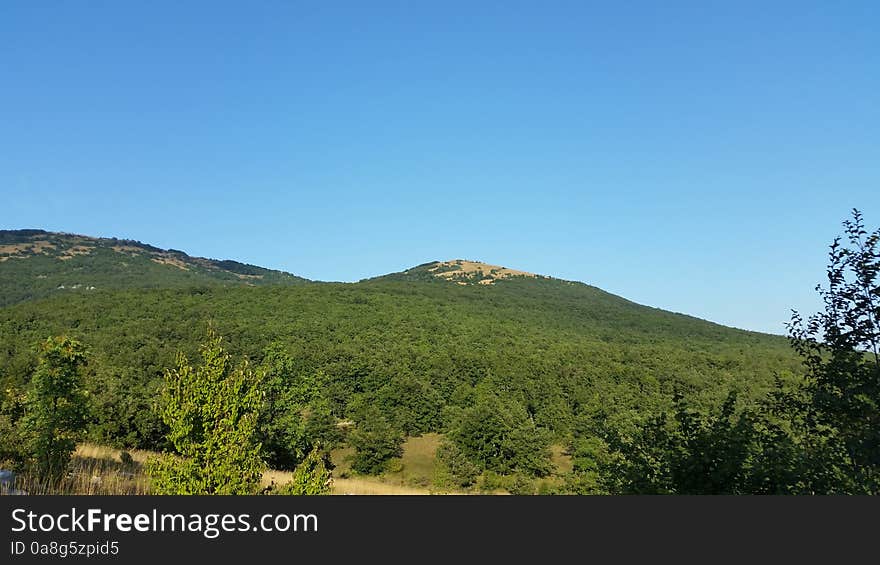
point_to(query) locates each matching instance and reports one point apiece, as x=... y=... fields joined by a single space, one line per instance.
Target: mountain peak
x=461 y=271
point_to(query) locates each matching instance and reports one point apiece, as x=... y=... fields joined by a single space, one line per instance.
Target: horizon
x=698 y=159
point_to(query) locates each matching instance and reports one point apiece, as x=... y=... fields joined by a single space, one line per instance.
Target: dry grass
x=97 y=469
x=349 y=485
x=127 y=249
x=368 y=485
x=72 y=252
x=90 y=450
x=94 y=470
x=419 y=460
x=37 y=246
x=488 y=274
x=173 y=261
x=561 y=459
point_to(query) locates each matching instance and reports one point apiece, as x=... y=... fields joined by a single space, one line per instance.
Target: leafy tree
x=841 y=351
x=375 y=442
x=13 y=442
x=212 y=413
x=498 y=434
x=413 y=405
x=295 y=417
x=455 y=468
x=280 y=428
x=57 y=406
x=312 y=476
x=591 y=456
x=690 y=453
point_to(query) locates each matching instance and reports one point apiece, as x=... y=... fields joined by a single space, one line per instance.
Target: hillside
x=418 y=352
x=37 y=264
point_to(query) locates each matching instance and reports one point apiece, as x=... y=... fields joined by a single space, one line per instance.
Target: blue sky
x=695 y=156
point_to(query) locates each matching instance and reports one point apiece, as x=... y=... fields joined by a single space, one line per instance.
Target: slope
x=37 y=264
x=417 y=352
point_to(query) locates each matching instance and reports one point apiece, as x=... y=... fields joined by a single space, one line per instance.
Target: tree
x=295 y=417
x=841 y=350
x=212 y=413
x=821 y=436
x=375 y=441
x=56 y=407
x=311 y=477
x=499 y=434
x=13 y=442
x=454 y=467
x=689 y=453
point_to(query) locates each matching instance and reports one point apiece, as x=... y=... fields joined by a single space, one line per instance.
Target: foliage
x=375 y=442
x=413 y=350
x=296 y=416
x=57 y=407
x=816 y=436
x=311 y=477
x=455 y=468
x=13 y=442
x=591 y=461
x=212 y=413
x=841 y=350
x=498 y=434
x=691 y=453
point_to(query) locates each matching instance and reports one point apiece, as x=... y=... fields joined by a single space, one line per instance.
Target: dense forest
x=503 y=364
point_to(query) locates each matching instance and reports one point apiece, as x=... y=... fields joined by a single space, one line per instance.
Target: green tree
x=375 y=441
x=312 y=476
x=500 y=435
x=689 y=453
x=212 y=414
x=590 y=457
x=295 y=417
x=454 y=467
x=13 y=443
x=57 y=406
x=841 y=350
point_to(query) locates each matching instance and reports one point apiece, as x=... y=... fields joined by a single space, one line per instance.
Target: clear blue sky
x=695 y=156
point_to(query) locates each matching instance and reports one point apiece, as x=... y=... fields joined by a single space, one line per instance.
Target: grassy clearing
x=561 y=459
x=98 y=469
x=413 y=473
x=350 y=485
x=416 y=467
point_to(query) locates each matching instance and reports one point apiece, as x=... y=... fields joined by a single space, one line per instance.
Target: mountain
x=38 y=264
x=415 y=349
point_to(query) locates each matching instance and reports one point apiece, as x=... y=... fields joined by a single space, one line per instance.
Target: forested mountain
x=437 y=348
x=37 y=264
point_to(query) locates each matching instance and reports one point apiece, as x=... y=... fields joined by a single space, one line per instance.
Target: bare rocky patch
x=463 y=271
x=173 y=261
